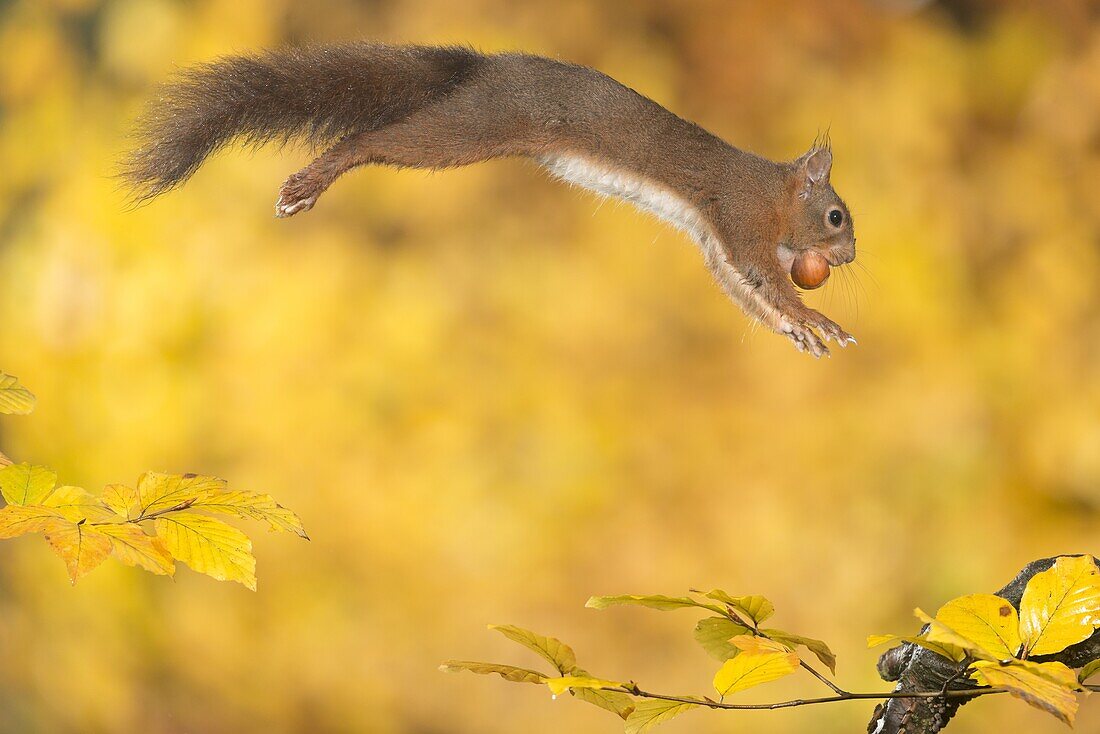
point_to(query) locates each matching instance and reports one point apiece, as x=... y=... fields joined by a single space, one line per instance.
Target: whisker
x=853 y=301
x=857 y=290
x=869 y=274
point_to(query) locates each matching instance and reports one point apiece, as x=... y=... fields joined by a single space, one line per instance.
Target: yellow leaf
x=208 y=546
x=1047 y=686
x=559 y=686
x=76 y=504
x=14 y=398
x=651 y=712
x=941 y=633
x=159 y=492
x=80 y=545
x=507 y=672
x=714 y=633
x=951 y=652
x=123 y=500
x=1088 y=671
x=756 y=645
x=654 y=601
x=134 y=547
x=254 y=506
x=988 y=620
x=16 y=520
x=1060 y=606
x=554 y=651
x=749 y=670
x=22 y=484
x=817 y=647
x=756 y=607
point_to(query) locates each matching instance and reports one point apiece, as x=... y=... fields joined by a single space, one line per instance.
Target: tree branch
x=846 y=696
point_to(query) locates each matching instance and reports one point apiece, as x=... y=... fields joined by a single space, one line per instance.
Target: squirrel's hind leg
x=429 y=139
x=301 y=190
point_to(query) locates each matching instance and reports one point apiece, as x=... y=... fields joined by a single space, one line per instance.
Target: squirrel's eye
x=836 y=217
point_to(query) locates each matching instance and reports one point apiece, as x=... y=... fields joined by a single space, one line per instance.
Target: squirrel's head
x=817 y=219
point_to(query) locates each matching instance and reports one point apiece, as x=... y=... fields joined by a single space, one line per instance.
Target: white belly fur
x=669 y=207
x=608 y=181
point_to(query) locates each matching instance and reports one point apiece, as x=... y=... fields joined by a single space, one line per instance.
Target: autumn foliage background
x=489 y=396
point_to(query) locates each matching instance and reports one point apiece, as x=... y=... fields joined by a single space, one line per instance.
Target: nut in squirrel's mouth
x=788 y=257
x=810 y=269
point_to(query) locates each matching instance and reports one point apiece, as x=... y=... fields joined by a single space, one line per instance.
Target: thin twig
x=832 y=686
x=960 y=670
x=164 y=511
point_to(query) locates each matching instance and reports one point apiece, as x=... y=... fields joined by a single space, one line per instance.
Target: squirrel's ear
x=818 y=164
x=813 y=168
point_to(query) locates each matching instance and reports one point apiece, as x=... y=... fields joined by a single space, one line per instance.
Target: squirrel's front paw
x=829 y=329
x=297 y=194
x=800 y=330
x=804 y=338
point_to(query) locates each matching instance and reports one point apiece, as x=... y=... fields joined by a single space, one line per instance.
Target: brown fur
x=428 y=107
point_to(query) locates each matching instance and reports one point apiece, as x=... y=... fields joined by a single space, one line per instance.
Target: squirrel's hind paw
x=297 y=194
x=284 y=209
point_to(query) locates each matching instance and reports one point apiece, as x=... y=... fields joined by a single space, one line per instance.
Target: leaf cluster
x=732 y=633
x=163 y=519
x=993 y=644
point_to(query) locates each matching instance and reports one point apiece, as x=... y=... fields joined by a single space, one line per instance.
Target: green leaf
x=14 y=398
x=618 y=703
x=990 y=621
x=554 y=651
x=749 y=670
x=714 y=634
x=756 y=607
x=252 y=506
x=817 y=647
x=1046 y=686
x=560 y=685
x=208 y=546
x=1089 y=670
x=659 y=602
x=648 y=713
x=161 y=492
x=22 y=484
x=507 y=672
x=1060 y=605
x=80 y=545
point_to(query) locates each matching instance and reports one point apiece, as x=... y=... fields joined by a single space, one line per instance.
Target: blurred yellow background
x=488 y=396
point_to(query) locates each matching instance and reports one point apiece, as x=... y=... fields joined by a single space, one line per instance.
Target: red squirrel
x=437 y=107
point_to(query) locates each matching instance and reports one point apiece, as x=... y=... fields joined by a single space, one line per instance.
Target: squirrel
x=438 y=107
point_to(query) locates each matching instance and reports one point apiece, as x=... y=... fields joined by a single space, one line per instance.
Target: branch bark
x=917 y=669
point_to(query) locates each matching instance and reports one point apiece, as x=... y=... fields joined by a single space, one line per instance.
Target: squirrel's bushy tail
x=320 y=94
